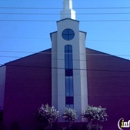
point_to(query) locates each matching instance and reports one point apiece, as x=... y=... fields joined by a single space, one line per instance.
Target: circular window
x=68 y=34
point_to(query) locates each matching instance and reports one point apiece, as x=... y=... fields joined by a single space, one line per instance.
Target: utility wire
x=24 y=37
x=73 y=68
x=58 y=14
x=48 y=8
x=49 y=53
x=5 y=20
x=44 y=52
x=48 y=59
x=45 y=38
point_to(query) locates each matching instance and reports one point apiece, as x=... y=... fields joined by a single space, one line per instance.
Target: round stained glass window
x=68 y=34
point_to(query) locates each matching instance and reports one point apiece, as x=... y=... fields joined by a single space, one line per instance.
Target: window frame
x=68 y=34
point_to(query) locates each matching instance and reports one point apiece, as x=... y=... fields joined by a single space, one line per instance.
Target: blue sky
x=29 y=33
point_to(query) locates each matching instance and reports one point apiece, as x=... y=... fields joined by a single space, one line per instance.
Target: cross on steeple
x=67 y=11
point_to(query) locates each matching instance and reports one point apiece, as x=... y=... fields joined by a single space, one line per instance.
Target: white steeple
x=67 y=11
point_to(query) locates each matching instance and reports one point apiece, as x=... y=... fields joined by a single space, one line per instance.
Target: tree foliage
x=69 y=115
x=94 y=115
x=49 y=113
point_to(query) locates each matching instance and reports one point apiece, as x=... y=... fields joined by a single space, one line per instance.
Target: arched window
x=69 y=76
x=68 y=57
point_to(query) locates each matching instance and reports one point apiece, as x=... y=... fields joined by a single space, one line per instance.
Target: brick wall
x=28 y=85
x=109 y=86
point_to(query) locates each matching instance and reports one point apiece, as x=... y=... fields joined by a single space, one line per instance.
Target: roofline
x=52 y=33
x=2 y=65
x=67 y=19
x=107 y=54
x=26 y=56
x=83 y=32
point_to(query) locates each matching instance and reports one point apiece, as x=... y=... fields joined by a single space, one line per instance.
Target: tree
x=47 y=114
x=69 y=116
x=94 y=115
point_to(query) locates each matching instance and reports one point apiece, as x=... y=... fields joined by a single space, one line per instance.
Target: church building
x=66 y=75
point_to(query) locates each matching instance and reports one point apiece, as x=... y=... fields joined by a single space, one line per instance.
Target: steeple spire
x=67 y=11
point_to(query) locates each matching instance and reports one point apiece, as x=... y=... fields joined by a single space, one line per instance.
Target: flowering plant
x=48 y=113
x=95 y=114
x=69 y=115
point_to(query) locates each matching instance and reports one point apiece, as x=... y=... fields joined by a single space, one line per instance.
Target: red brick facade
x=28 y=85
x=109 y=86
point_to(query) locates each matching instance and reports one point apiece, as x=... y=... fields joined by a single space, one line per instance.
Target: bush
x=69 y=115
x=94 y=115
x=47 y=115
